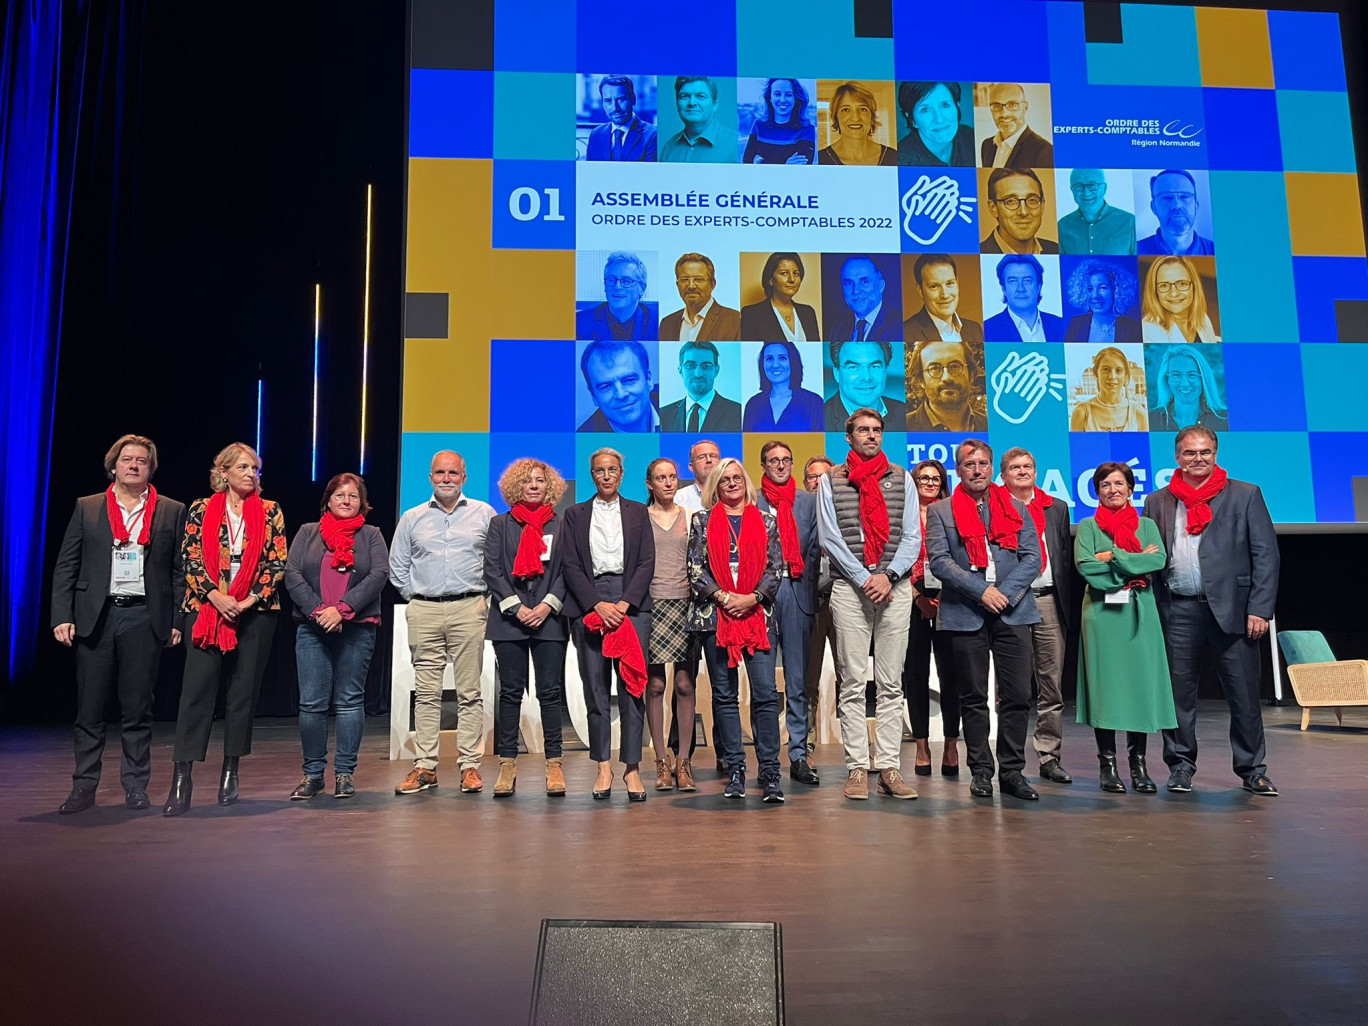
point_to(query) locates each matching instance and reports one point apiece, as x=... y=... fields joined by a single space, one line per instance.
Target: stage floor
x=1212 y=907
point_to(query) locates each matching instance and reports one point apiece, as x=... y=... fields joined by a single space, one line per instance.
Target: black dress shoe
x=345 y=787
x=306 y=789
x=1261 y=785
x=136 y=799
x=1017 y=786
x=981 y=786
x=228 y=782
x=1053 y=771
x=801 y=770
x=80 y=799
x=1140 y=778
x=1180 y=781
x=178 y=801
x=1107 y=777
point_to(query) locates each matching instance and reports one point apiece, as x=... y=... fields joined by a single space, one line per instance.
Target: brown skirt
x=670 y=640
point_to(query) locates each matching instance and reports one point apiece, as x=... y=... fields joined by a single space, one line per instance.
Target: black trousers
x=121 y=655
x=596 y=674
x=922 y=640
x=1192 y=636
x=239 y=671
x=511 y=659
x=1014 y=662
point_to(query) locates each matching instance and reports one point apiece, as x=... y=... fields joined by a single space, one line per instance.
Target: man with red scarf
x=1215 y=599
x=1053 y=591
x=795 y=604
x=869 y=525
x=115 y=589
x=983 y=545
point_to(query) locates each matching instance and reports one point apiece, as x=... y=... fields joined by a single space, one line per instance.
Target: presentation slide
x=1019 y=221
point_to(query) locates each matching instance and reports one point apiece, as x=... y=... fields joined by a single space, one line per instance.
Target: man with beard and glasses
x=703 y=319
x=1173 y=198
x=943 y=373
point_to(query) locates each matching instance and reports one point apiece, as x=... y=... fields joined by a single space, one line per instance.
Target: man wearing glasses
x=942 y=375
x=795 y=604
x=702 y=319
x=1014 y=144
x=701 y=409
x=622 y=317
x=1173 y=198
x=1215 y=598
x=1017 y=200
x=1096 y=227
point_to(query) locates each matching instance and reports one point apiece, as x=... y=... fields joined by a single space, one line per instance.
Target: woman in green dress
x=1123 y=672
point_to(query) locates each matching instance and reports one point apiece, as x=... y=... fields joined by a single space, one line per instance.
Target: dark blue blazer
x=1001 y=328
x=887 y=327
x=805 y=516
x=594 y=323
x=500 y=550
x=640 y=143
x=949 y=559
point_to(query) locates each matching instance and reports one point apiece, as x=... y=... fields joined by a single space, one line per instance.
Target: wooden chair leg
x=1306 y=717
x=1339 y=715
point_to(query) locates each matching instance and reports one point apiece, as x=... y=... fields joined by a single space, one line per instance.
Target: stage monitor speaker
x=613 y=973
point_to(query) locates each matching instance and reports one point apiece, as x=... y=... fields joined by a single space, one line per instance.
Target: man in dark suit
x=1215 y=597
x=618 y=376
x=868 y=313
x=625 y=136
x=1053 y=591
x=702 y=319
x=860 y=372
x=937 y=277
x=1016 y=199
x=987 y=605
x=115 y=589
x=622 y=316
x=701 y=409
x=1023 y=281
x=608 y=562
x=1014 y=144
x=795 y=604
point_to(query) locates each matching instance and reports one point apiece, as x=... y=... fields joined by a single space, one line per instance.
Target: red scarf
x=1121 y=525
x=1197 y=500
x=780 y=497
x=748 y=632
x=864 y=474
x=116 y=520
x=1004 y=522
x=340 y=537
x=1040 y=502
x=623 y=645
x=531 y=545
x=211 y=629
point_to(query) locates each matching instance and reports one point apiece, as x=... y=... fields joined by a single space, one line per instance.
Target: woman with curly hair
x=522 y=569
x=1174 y=306
x=785 y=135
x=1104 y=290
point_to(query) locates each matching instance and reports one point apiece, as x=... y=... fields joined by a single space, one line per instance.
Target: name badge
x=990 y=571
x=546 y=541
x=127 y=566
x=930 y=580
x=1119 y=597
x=735 y=569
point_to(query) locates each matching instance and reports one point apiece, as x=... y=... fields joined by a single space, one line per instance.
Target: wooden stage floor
x=1213 y=907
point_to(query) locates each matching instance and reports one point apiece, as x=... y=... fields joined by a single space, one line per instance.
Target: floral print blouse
x=703 y=611
x=270 y=565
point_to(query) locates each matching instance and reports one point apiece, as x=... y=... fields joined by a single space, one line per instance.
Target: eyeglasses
x=691 y=281
x=607 y=472
x=1193 y=376
x=977 y=465
x=1192 y=454
x=1087 y=186
x=1013 y=203
x=1010 y=108
x=927 y=479
x=627 y=283
x=733 y=480
x=954 y=368
x=779 y=461
x=707 y=366
x=1164 y=287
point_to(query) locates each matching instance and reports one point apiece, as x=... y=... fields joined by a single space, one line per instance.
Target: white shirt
x=1185 y=564
x=133 y=523
x=1006 y=146
x=690 y=330
x=605 y=537
x=1029 y=332
x=949 y=330
x=796 y=335
x=690 y=497
x=236 y=533
x=437 y=553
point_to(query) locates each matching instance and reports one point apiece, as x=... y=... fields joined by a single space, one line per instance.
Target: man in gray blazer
x=1215 y=598
x=795 y=604
x=988 y=609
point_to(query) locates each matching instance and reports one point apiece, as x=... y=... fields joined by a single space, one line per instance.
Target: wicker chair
x=1318 y=678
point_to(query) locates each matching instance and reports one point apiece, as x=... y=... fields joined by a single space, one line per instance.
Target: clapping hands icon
x=1019 y=384
x=930 y=206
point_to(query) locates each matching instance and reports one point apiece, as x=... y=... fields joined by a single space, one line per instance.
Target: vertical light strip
x=261 y=390
x=318 y=306
x=365 y=332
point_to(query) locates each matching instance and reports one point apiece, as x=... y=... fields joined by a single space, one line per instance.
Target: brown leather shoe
x=418 y=780
x=508 y=778
x=684 y=775
x=857 y=784
x=664 y=778
x=891 y=783
x=470 y=781
x=555 y=777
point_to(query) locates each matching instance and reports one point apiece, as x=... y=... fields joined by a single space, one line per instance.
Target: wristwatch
x=893 y=576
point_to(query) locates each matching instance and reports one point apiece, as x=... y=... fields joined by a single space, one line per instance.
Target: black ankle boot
x=228 y=783
x=1140 y=778
x=1108 y=777
x=178 y=801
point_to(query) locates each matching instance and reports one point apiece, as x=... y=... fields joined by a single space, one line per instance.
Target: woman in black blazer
x=778 y=317
x=527 y=593
x=335 y=573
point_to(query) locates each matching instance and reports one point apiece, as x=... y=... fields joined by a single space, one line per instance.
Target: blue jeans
x=332 y=666
x=764 y=703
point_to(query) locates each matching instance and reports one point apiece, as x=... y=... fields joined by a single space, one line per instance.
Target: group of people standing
x=886 y=566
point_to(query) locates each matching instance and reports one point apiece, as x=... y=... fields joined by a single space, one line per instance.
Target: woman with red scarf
x=335 y=573
x=234 y=554
x=735 y=559
x=1123 y=671
x=522 y=567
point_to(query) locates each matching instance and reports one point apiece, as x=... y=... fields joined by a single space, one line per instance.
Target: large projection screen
x=543 y=256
